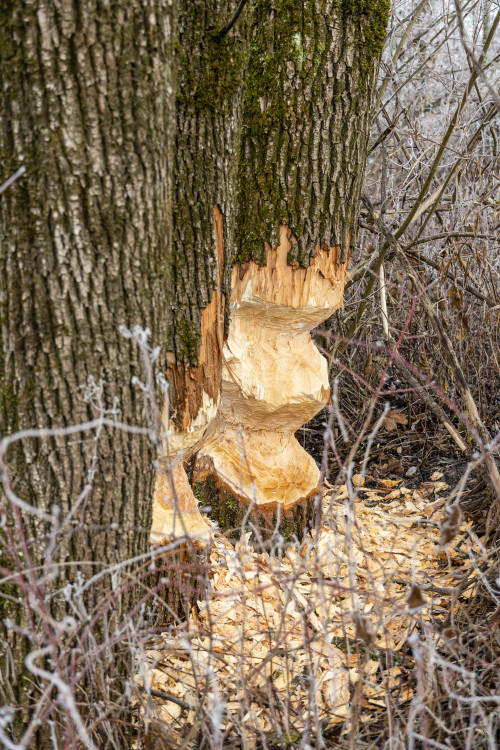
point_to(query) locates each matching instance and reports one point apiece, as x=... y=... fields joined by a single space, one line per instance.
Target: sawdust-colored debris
x=291 y=634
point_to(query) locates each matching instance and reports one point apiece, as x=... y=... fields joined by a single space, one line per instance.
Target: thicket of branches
x=416 y=343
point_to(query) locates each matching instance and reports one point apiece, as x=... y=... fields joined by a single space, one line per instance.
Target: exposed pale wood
x=268 y=467
x=309 y=291
x=175 y=509
x=274 y=378
x=194 y=391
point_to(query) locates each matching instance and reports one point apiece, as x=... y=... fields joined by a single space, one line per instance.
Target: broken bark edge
x=264 y=521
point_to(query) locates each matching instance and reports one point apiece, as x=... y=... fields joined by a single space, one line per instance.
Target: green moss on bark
x=230 y=512
x=373 y=17
x=310 y=81
x=276 y=39
x=190 y=340
x=211 y=73
x=210 y=86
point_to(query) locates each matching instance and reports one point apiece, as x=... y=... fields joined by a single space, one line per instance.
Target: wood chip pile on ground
x=322 y=634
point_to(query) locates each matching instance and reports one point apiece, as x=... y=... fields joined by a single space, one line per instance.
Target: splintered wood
x=292 y=636
x=274 y=378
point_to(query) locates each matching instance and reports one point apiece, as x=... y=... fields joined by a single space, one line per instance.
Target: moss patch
x=229 y=512
x=373 y=16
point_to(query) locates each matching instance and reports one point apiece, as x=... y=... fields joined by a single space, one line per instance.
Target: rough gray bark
x=308 y=111
x=210 y=86
x=87 y=105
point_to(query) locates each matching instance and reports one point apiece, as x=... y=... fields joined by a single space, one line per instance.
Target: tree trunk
x=306 y=120
x=87 y=106
x=210 y=77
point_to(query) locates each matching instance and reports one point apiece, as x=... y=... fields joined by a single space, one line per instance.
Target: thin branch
x=167 y=697
x=12 y=179
x=227 y=28
x=360 y=271
x=476 y=425
x=476 y=64
x=449 y=132
x=468 y=287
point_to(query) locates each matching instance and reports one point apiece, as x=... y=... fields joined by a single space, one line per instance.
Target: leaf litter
x=297 y=632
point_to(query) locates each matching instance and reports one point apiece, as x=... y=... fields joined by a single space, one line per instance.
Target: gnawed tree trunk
x=210 y=83
x=306 y=121
x=87 y=106
x=275 y=380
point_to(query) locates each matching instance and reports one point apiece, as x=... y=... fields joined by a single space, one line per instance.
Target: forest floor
x=325 y=634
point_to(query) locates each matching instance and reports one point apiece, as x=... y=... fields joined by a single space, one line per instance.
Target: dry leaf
x=436 y=476
x=393 y=418
x=415 y=598
x=358 y=480
x=448 y=529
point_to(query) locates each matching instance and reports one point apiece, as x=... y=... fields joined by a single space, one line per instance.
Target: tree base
x=231 y=513
x=179 y=580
